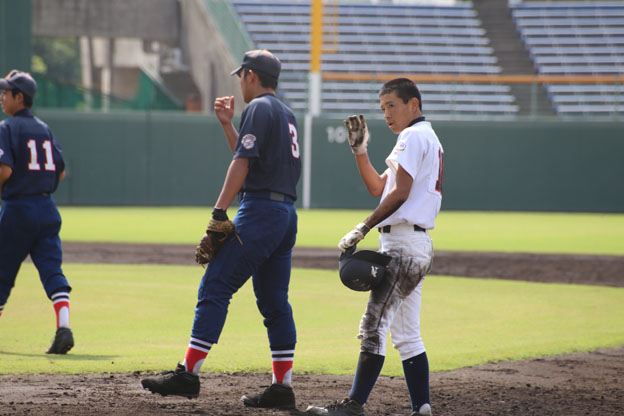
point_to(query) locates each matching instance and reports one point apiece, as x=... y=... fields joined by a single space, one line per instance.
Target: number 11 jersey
x=28 y=146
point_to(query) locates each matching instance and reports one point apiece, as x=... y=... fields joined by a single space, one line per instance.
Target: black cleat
x=347 y=407
x=276 y=396
x=175 y=383
x=63 y=341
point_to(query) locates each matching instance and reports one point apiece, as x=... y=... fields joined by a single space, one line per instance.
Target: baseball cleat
x=347 y=407
x=276 y=396
x=63 y=341
x=174 y=383
x=425 y=410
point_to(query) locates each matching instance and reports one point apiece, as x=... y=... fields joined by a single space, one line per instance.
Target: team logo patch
x=374 y=271
x=248 y=141
x=400 y=146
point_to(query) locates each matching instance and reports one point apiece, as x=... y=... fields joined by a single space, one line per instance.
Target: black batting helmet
x=362 y=270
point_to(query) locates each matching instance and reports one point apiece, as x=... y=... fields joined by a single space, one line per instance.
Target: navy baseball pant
x=30 y=225
x=268 y=231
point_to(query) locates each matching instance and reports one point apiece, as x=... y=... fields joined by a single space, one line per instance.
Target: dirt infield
x=576 y=384
x=554 y=268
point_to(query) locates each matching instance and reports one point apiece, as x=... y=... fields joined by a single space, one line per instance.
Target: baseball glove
x=357 y=134
x=218 y=230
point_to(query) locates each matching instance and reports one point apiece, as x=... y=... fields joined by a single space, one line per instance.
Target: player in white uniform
x=411 y=194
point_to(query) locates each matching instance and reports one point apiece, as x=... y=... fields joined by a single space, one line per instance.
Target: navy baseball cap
x=261 y=60
x=20 y=80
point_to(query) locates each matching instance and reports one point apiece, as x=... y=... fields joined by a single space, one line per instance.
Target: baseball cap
x=261 y=60
x=20 y=80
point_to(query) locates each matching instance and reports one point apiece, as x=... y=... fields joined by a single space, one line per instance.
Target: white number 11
x=47 y=146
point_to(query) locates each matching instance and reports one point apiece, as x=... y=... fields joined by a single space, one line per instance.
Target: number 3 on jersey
x=293 y=136
x=47 y=147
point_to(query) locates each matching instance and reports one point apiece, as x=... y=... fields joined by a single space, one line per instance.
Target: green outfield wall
x=180 y=159
x=491 y=165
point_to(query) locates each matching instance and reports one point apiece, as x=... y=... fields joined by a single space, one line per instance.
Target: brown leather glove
x=218 y=230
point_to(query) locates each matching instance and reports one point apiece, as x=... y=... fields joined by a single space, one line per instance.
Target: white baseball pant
x=395 y=304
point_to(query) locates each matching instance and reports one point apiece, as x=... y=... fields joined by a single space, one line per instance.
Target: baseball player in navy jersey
x=31 y=165
x=411 y=194
x=265 y=170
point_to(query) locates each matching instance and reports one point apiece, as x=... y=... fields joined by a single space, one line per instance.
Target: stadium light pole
x=314 y=93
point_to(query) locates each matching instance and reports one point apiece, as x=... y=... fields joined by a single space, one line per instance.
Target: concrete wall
x=186 y=24
x=209 y=58
x=146 y=19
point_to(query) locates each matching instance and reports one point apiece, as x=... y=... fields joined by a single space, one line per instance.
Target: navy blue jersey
x=28 y=146
x=268 y=137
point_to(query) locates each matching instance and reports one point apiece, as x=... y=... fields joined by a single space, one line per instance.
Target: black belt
x=386 y=228
x=273 y=196
x=18 y=196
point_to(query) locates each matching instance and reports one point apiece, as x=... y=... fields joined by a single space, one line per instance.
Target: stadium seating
x=381 y=38
x=576 y=38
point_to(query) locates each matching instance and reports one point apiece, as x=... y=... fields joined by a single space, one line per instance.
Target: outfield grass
x=478 y=231
x=138 y=317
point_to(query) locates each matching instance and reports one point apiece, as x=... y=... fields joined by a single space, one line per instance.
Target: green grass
x=129 y=317
x=471 y=231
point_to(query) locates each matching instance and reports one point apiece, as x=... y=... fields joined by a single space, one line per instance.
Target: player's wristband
x=219 y=214
x=363 y=228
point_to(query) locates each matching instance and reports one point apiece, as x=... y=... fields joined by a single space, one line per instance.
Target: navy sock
x=416 y=371
x=368 y=369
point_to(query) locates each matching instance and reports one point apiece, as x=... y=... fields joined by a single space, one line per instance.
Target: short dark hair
x=28 y=100
x=404 y=88
x=266 y=81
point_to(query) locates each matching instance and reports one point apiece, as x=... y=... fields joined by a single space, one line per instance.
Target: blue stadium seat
x=404 y=50
x=365 y=38
x=576 y=50
x=380 y=38
x=584 y=88
x=270 y=27
x=576 y=41
x=576 y=38
x=598 y=21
